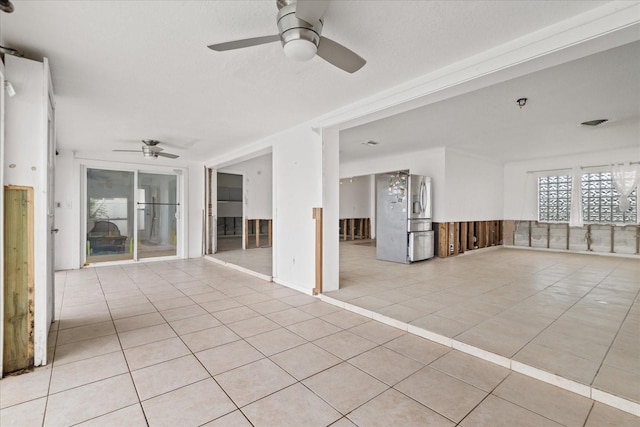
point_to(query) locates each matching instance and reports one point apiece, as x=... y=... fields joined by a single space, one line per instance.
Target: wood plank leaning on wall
x=18 y=298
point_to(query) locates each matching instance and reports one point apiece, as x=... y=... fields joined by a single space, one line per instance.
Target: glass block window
x=554 y=198
x=601 y=201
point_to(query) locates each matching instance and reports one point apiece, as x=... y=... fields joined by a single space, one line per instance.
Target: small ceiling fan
x=300 y=27
x=150 y=149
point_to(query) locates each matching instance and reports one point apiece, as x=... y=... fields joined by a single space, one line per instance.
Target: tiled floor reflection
x=191 y=343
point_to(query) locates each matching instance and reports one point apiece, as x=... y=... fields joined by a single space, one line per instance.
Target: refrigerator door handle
x=423 y=191
x=410 y=248
x=427 y=200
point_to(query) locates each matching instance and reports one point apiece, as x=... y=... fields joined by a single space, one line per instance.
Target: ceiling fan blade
x=168 y=155
x=129 y=151
x=311 y=10
x=155 y=148
x=340 y=56
x=239 y=44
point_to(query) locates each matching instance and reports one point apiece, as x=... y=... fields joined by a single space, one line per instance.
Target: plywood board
x=443 y=239
x=463 y=236
x=18 y=298
x=246 y=234
x=456 y=238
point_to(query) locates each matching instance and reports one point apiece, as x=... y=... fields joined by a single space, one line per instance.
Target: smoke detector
x=595 y=122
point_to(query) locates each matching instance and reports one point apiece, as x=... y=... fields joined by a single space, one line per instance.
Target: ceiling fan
x=300 y=27
x=150 y=149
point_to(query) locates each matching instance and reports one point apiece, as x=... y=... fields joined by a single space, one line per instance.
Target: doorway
x=229 y=227
x=131 y=215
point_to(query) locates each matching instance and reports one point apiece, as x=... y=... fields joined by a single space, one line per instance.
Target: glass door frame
x=138 y=203
x=182 y=211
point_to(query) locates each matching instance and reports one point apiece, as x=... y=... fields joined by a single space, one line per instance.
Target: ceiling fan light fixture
x=299 y=38
x=300 y=49
x=149 y=153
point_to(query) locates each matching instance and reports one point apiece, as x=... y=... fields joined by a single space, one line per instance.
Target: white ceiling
x=129 y=70
x=489 y=123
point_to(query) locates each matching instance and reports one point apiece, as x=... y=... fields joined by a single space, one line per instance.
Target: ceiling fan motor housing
x=299 y=38
x=149 y=152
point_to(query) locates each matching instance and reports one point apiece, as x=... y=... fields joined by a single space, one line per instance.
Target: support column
x=330 y=209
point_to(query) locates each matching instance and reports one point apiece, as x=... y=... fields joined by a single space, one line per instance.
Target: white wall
x=258 y=191
x=25 y=164
x=330 y=210
x=67 y=200
x=464 y=187
x=298 y=171
x=428 y=162
x=521 y=188
x=194 y=208
x=355 y=197
x=474 y=188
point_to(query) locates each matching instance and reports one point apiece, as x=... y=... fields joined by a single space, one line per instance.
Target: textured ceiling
x=488 y=122
x=129 y=70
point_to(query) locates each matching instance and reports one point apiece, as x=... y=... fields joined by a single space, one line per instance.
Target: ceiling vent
x=594 y=122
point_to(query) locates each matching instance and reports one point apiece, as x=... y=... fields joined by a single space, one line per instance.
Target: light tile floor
x=189 y=343
x=573 y=315
x=255 y=259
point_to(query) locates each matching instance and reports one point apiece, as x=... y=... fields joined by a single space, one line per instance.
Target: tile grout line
x=615 y=336
x=281 y=326
x=196 y=357
x=593 y=404
x=269 y=358
x=122 y=348
x=46 y=405
x=485 y=398
x=626 y=406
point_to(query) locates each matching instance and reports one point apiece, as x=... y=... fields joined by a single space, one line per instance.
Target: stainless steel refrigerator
x=403 y=217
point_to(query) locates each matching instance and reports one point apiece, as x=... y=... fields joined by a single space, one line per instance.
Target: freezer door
x=391 y=217
x=419 y=225
x=420 y=245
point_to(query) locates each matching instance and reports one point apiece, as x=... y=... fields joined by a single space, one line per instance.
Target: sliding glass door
x=110 y=204
x=157 y=208
x=131 y=215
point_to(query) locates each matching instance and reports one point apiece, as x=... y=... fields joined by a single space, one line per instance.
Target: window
x=554 y=198
x=600 y=200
